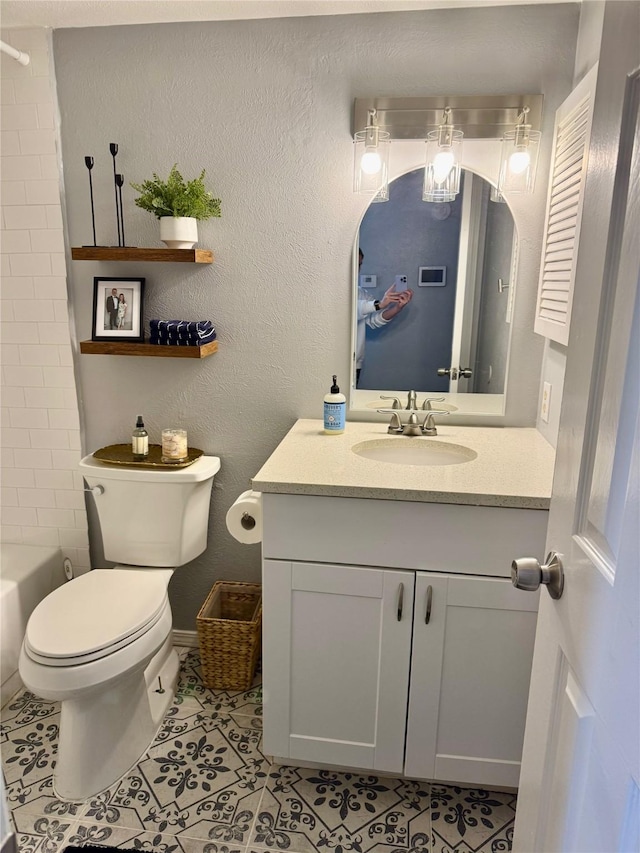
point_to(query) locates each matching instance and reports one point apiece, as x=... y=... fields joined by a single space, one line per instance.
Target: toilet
x=101 y=644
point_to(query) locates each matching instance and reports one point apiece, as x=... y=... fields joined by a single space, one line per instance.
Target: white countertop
x=513 y=467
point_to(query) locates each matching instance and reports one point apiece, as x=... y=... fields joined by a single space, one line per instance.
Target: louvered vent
x=564 y=212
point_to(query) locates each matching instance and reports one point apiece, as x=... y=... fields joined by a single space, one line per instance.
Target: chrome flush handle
x=96 y=491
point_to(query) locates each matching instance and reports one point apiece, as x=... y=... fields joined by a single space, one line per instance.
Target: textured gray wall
x=265 y=107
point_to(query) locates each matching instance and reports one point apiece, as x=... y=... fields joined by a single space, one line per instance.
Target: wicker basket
x=229 y=633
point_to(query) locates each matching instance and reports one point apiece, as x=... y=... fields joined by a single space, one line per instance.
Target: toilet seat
x=125 y=604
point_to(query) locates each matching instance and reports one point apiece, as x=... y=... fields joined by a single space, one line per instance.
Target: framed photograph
x=117 y=309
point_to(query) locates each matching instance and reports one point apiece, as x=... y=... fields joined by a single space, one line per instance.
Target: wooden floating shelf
x=114 y=253
x=153 y=350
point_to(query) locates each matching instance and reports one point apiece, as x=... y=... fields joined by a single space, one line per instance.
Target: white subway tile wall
x=42 y=497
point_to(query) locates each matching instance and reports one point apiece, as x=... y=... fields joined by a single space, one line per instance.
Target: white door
x=470 y=257
x=579 y=784
x=337 y=641
x=458 y=652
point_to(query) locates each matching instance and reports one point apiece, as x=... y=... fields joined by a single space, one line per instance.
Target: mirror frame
x=482 y=157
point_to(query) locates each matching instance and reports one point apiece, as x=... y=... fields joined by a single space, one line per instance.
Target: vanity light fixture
x=371 y=160
x=519 y=157
x=442 y=166
x=443 y=120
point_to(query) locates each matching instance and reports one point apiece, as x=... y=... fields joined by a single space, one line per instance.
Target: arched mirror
x=451 y=338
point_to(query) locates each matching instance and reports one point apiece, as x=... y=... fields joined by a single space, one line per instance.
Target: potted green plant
x=178 y=204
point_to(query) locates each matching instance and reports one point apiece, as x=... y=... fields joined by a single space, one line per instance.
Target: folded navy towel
x=193 y=326
x=182 y=336
x=183 y=342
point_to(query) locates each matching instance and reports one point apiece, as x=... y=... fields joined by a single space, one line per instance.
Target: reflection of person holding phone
x=377 y=312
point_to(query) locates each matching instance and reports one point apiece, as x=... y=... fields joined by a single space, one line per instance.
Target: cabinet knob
x=528 y=574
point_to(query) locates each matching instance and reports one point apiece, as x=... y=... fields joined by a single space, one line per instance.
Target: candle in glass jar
x=174 y=445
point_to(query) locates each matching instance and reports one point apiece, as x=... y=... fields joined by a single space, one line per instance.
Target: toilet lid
x=90 y=615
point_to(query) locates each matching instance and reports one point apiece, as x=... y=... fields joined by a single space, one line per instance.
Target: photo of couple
x=116 y=309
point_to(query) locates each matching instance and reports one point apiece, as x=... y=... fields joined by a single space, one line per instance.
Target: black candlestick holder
x=119 y=185
x=113 y=147
x=88 y=162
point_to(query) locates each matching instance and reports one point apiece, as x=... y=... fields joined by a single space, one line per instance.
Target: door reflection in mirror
x=458 y=312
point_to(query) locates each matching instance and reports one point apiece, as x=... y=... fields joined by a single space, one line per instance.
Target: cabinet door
x=336 y=643
x=470 y=670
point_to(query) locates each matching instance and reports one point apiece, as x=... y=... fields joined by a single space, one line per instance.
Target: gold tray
x=121 y=454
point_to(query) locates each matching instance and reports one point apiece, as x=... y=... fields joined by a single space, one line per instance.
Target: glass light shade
x=519 y=160
x=371 y=163
x=442 y=167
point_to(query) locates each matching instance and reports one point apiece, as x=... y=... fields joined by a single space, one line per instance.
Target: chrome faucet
x=413 y=426
x=412 y=401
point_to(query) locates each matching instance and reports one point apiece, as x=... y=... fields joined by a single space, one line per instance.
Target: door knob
x=455 y=372
x=528 y=574
x=451 y=372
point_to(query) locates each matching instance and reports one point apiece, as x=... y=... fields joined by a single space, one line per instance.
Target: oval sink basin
x=414 y=451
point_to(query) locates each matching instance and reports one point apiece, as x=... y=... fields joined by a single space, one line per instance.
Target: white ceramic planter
x=179 y=232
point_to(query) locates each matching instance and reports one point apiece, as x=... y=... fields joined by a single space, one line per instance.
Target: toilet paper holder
x=244 y=518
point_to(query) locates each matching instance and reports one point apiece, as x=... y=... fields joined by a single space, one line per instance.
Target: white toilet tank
x=149 y=516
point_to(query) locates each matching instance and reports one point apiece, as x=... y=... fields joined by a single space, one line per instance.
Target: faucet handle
x=396 y=401
x=426 y=404
x=395 y=425
x=428 y=425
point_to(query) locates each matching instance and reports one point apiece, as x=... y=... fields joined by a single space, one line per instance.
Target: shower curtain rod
x=18 y=55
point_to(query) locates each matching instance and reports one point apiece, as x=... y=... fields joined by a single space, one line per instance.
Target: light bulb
x=442 y=165
x=519 y=161
x=371 y=162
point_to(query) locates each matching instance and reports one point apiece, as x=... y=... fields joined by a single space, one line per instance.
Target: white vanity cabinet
x=336 y=664
x=393 y=639
x=470 y=668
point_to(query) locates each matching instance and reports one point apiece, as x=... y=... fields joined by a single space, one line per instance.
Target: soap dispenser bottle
x=140 y=441
x=335 y=410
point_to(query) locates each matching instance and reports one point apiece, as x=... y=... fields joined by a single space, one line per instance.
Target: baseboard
x=185 y=638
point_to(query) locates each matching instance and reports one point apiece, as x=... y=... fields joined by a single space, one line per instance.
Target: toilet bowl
x=101 y=644
x=87 y=646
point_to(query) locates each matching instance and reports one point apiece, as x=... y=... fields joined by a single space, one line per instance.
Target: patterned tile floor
x=204 y=786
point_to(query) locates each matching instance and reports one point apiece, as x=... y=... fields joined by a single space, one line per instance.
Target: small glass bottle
x=140 y=441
